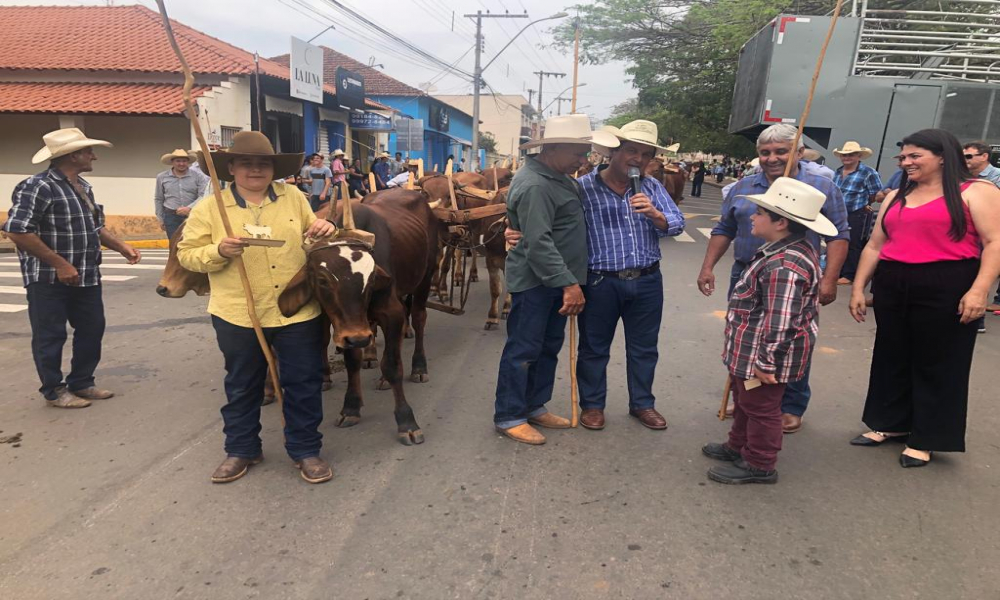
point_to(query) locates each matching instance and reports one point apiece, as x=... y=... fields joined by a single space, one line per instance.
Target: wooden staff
x=725 y=398
x=574 y=393
x=217 y=189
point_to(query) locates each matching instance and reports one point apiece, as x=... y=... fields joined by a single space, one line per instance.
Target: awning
x=281 y=105
x=95 y=98
x=456 y=139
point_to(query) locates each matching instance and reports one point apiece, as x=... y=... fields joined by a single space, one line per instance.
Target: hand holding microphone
x=639 y=201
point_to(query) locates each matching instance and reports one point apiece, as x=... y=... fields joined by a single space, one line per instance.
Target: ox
x=357 y=284
x=497 y=177
x=672 y=176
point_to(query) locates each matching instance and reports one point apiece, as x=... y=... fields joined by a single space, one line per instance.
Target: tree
x=488 y=142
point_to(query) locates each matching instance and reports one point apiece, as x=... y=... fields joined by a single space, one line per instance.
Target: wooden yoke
x=420 y=169
x=371 y=182
x=349 y=230
x=451 y=185
x=217 y=188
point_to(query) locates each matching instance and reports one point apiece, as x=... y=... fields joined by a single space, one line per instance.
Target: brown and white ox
x=357 y=284
x=672 y=176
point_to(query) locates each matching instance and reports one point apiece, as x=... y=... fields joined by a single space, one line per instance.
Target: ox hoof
x=409 y=438
x=369 y=363
x=459 y=283
x=443 y=296
x=420 y=377
x=408 y=334
x=504 y=315
x=473 y=278
x=348 y=421
x=327 y=386
x=383 y=385
x=492 y=325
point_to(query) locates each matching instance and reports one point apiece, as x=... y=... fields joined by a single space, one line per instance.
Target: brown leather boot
x=550 y=421
x=93 y=393
x=650 y=418
x=64 y=399
x=524 y=433
x=234 y=467
x=314 y=469
x=592 y=418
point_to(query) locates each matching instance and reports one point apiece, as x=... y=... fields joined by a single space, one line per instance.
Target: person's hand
x=322 y=197
x=68 y=275
x=231 y=247
x=131 y=254
x=512 y=236
x=858 y=306
x=573 y=300
x=972 y=306
x=320 y=228
x=765 y=378
x=163 y=226
x=644 y=206
x=706 y=282
x=183 y=211
x=827 y=291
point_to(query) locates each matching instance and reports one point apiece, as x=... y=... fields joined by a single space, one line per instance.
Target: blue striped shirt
x=619 y=238
x=858 y=187
x=736 y=210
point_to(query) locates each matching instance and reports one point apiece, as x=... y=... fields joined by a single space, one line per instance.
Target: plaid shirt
x=48 y=206
x=773 y=313
x=736 y=211
x=858 y=187
x=618 y=238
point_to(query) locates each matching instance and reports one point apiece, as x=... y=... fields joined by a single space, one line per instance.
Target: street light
x=478 y=73
x=559 y=95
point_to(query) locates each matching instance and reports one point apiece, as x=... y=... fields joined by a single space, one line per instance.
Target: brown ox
x=357 y=284
x=497 y=177
x=672 y=176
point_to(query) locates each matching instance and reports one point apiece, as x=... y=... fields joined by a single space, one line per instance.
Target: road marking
x=684 y=237
x=706 y=231
x=11 y=289
x=144 y=258
x=103 y=277
x=148 y=267
x=12 y=308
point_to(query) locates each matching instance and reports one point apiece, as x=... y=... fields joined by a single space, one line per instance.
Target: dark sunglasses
x=971 y=156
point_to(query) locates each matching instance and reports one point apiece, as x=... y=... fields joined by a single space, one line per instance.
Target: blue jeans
x=299 y=350
x=535 y=332
x=797 y=393
x=171 y=221
x=639 y=305
x=50 y=307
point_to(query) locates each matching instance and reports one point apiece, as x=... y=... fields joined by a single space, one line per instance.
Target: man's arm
x=835 y=210
x=670 y=220
x=873 y=185
x=33 y=245
x=109 y=240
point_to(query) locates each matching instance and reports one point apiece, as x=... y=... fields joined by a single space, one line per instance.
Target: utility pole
x=541 y=79
x=477 y=76
x=531 y=95
x=560 y=100
x=576 y=63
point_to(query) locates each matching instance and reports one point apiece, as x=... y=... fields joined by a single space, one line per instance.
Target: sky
x=265 y=26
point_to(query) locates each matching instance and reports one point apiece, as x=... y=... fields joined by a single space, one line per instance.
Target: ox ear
x=380 y=280
x=296 y=295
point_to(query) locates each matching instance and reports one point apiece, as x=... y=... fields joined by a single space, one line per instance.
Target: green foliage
x=488 y=142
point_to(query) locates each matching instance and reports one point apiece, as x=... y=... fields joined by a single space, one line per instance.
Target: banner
x=369 y=120
x=350 y=89
x=410 y=135
x=306 y=71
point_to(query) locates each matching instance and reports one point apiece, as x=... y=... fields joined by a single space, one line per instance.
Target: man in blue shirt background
x=860 y=185
x=774 y=150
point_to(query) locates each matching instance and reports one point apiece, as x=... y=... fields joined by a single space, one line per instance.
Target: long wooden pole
x=576 y=65
x=217 y=188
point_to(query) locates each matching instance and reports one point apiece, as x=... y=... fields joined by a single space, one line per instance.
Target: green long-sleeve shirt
x=545 y=207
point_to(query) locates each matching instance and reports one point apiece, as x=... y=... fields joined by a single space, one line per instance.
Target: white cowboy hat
x=811 y=155
x=797 y=201
x=641 y=132
x=673 y=148
x=850 y=147
x=755 y=162
x=338 y=152
x=178 y=153
x=571 y=129
x=64 y=141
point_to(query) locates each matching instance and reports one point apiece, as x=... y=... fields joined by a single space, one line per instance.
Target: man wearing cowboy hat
x=624 y=228
x=545 y=272
x=400 y=180
x=256 y=202
x=771 y=328
x=381 y=170
x=860 y=186
x=178 y=189
x=774 y=150
x=58 y=229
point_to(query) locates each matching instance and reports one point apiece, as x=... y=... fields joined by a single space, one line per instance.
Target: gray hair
x=779 y=133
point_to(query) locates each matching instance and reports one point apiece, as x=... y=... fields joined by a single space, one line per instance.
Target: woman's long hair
x=954 y=172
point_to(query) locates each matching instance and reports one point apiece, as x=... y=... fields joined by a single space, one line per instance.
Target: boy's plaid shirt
x=773 y=315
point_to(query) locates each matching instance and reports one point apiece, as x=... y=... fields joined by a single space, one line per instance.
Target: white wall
x=228 y=104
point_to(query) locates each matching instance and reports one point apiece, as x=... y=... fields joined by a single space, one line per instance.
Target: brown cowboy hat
x=253 y=143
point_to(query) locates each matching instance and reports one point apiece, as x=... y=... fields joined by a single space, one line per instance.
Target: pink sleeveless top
x=920 y=235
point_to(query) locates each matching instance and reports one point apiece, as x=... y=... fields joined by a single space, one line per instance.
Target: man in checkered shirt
x=58 y=229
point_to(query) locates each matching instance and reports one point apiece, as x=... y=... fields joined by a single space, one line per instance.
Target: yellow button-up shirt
x=286 y=211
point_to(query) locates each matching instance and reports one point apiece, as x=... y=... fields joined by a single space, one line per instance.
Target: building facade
x=507 y=117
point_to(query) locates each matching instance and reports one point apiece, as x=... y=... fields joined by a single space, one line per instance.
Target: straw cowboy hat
x=338 y=152
x=384 y=155
x=796 y=201
x=811 y=155
x=254 y=143
x=641 y=132
x=64 y=141
x=850 y=147
x=571 y=129
x=178 y=153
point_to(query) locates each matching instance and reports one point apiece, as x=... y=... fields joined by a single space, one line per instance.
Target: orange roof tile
x=94 y=98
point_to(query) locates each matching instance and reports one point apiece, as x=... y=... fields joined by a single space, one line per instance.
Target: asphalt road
x=114 y=501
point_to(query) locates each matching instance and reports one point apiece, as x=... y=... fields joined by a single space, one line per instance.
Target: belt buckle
x=630 y=274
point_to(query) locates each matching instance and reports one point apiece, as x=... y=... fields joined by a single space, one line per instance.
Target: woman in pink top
x=933 y=255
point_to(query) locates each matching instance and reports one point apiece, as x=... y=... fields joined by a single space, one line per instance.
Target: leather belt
x=630 y=274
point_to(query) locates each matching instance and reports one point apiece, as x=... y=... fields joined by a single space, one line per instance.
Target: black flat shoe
x=861 y=440
x=906 y=461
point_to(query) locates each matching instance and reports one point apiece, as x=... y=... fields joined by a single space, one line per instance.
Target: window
x=227 y=135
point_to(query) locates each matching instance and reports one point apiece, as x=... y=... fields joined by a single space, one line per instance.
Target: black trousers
x=50 y=307
x=861 y=222
x=919 y=378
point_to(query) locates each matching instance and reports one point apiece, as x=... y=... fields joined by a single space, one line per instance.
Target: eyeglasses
x=971 y=156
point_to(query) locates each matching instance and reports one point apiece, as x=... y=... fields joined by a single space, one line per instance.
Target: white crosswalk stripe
x=706 y=231
x=103 y=277
x=684 y=237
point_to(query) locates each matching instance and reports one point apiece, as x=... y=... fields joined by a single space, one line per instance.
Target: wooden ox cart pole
x=217 y=188
x=795 y=145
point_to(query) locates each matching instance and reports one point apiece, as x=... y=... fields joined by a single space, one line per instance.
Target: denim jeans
x=797 y=393
x=535 y=332
x=696 y=188
x=639 y=305
x=860 y=222
x=171 y=221
x=50 y=307
x=299 y=350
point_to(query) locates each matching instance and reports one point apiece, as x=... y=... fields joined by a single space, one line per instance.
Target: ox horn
x=435 y=204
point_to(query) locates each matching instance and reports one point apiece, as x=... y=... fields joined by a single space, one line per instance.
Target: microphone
x=633 y=173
